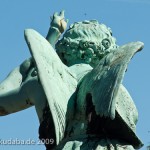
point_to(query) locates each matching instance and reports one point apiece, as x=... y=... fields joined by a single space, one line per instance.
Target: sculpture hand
x=59 y=22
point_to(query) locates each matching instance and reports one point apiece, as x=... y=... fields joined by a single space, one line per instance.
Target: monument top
x=77 y=90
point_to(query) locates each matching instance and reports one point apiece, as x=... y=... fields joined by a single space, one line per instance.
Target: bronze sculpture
x=81 y=102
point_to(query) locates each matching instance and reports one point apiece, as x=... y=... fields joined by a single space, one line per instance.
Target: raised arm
x=57 y=27
x=13 y=94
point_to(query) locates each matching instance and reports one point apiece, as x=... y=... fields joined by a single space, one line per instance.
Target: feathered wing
x=104 y=80
x=56 y=79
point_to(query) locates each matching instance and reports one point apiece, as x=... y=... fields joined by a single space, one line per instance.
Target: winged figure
x=76 y=89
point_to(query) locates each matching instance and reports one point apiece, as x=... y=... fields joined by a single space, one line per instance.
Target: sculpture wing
x=57 y=81
x=103 y=82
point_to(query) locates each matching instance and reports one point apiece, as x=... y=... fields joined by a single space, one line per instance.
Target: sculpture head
x=85 y=42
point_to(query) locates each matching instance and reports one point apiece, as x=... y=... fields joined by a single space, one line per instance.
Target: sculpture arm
x=12 y=96
x=58 y=26
x=53 y=35
x=13 y=101
x=19 y=74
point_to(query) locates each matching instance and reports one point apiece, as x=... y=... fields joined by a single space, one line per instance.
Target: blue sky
x=129 y=21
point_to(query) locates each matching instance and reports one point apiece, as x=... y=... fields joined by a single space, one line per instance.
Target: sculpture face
x=85 y=42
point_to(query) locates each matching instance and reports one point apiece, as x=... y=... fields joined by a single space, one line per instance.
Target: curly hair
x=85 y=42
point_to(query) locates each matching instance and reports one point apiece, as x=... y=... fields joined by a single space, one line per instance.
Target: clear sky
x=129 y=21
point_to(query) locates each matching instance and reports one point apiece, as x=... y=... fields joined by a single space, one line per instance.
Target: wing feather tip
x=140 y=45
x=28 y=31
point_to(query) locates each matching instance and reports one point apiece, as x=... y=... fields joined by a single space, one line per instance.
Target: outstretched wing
x=103 y=81
x=57 y=81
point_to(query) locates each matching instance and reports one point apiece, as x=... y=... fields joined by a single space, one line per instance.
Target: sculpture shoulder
x=17 y=76
x=26 y=65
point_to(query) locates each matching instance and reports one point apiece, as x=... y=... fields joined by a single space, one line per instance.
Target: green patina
x=77 y=90
x=85 y=42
